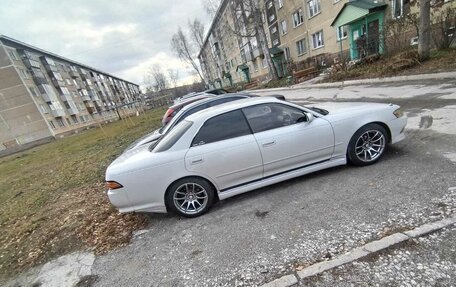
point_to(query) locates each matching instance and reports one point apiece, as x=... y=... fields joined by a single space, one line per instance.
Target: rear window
x=167 y=141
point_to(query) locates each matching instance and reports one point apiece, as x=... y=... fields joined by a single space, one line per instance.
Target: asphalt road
x=255 y=237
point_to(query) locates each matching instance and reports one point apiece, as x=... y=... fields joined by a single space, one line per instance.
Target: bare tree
x=173 y=76
x=424 y=41
x=211 y=6
x=196 y=29
x=157 y=78
x=185 y=50
x=252 y=26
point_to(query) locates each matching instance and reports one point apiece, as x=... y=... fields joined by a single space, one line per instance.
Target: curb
x=357 y=253
x=434 y=76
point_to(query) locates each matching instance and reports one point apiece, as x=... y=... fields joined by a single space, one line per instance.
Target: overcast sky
x=123 y=38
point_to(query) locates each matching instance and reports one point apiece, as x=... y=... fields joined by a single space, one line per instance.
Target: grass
x=52 y=198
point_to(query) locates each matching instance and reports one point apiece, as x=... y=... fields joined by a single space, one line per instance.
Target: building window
x=301 y=47
x=317 y=40
x=271 y=18
x=61 y=123
x=75 y=119
x=13 y=55
x=23 y=74
x=280 y=3
x=69 y=122
x=265 y=63
x=341 y=32
x=43 y=109
x=400 y=8
x=275 y=42
x=270 y=4
x=274 y=30
x=33 y=91
x=283 y=27
x=298 y=18
x=314 y=7
x=82 y=119
x=287 y=53
x=68 y=82
x=51 y=123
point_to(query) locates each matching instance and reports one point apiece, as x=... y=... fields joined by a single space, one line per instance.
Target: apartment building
x=317 y=32
x=45 y=96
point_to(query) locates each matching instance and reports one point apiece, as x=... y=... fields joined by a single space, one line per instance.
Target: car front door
x=225 y=151
x=288 y=137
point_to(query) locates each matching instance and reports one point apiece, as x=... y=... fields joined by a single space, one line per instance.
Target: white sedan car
x=244 y=145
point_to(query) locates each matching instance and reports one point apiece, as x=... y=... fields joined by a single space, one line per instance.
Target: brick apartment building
x=318 y=32
x=45 y=96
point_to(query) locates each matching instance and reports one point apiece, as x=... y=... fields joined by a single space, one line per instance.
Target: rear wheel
x=367 y=145
x=190 y=197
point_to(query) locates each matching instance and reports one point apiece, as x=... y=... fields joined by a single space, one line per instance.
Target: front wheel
x=190 y=197
x=367 y=145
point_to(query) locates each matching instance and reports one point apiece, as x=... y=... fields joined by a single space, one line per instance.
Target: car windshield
x=171 y=138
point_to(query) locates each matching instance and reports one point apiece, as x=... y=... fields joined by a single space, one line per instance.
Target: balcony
x=66 y=98
x=57 y=113
x=58 y=83
x=73 y=110
x=50 y=69
x=91 y=110
x=30 y=63
x=74 y=74
x=38 y=77
x=86 y=98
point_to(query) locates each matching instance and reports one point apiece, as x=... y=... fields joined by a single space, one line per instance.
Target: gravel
x=426 y=261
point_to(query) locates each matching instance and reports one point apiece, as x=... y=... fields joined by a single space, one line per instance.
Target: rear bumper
x=397 y=128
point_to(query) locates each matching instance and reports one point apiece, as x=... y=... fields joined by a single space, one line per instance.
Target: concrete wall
x=20 y=119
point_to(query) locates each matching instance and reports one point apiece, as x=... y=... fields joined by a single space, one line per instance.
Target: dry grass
x=405 y=63
x=52 y=198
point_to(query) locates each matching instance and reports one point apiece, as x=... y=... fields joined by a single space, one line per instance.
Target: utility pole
x=424 y=39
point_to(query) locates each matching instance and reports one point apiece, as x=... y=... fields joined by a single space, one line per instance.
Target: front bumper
x=397 y=128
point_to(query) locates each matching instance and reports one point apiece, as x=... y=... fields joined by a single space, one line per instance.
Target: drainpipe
x=367 y=37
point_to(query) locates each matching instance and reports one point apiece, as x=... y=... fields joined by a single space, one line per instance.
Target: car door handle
x=197 y=161
x=269 y=143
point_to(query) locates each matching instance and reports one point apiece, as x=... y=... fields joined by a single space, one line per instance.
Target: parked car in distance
x=244 y=145
x=216 y=91
x=174 y=109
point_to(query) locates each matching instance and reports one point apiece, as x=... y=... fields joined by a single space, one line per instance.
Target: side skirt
x=281 y=177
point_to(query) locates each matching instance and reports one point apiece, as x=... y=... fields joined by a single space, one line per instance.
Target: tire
x=190 y=197
x=367 y=145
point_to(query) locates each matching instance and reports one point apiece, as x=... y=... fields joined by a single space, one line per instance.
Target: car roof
x=214 y=98
x=226 y=107
x=190 y=100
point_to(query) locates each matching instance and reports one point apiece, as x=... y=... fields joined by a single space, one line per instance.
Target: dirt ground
x=53 y=201
x=399 y=65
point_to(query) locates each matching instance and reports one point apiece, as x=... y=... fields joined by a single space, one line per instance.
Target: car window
x=271 y=116
x=226 y=126
x=167 y=141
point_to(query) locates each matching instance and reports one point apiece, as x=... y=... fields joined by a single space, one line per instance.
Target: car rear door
x=287 y=139
x=225 y=151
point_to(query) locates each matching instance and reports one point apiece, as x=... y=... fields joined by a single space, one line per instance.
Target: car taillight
x=169 y=112
x=113 y=185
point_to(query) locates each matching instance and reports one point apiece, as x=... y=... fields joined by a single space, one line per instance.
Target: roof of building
x=369 y=5
x=5 y=39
